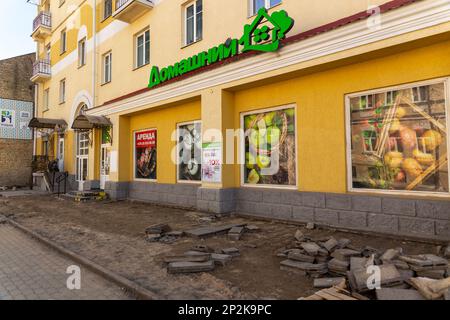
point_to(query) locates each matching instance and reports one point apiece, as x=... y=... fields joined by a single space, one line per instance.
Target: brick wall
x=15 y=162
x=15 y=74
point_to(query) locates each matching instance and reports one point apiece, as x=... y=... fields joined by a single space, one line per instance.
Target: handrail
x=42 y=67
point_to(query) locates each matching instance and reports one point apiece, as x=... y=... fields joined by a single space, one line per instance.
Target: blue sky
x=16 y=21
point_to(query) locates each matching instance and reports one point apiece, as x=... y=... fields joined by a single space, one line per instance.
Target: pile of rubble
x=200 y=259
x=334 y=261
x=162 y=233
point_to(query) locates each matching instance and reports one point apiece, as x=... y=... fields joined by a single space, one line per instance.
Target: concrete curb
x=137 y=291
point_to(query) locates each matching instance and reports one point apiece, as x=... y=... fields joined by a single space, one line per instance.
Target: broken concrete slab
x=178 y=234
x=390 y=254
x=153 y=237
x=398 y=294
x=389 y=276
x=310 y=226
x=304 y=266
x=357 y=263
x=158 y=228
x=323 y=283
x=190 y=267
x=252 y=229
x=343 y=243
x=338 y=266
x=188 y=258
x=406 y=274
x=299 y=236
x=447 y=252
x=297 y=256
x=234 y=252
x=211 y=230
x=432 y=274
x=345 y=254
x=331 y=244
x=310 y=248
x=221 y=259
x=236 y=233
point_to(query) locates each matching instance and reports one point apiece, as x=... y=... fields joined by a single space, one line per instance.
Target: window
x=62 y=91
x=48 y=52
x=82 y=52
x=194 y=22
x=107 y=67
x=270 y=147
x=107 y=9
x=258 y=4
x=401 y=144
x=46 y=99
x=190 y=152
x=366 y=102
x=143 y=49
x=63 y=44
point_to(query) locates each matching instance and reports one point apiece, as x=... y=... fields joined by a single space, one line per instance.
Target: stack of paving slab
x=332 y=261
x=162 y=233
x=200 y=259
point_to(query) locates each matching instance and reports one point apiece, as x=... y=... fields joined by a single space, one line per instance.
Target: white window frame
x=134 y=156
x=46 y=99
x=178 y=150
x=62 y=91
x=421 y=99
x=106 y=68
x=348 y=113
x=136 y=48
x=241 y=150
x=195 y=36
x=82 y=52
x=372 y=146
x=267 y=5
x=63 y=39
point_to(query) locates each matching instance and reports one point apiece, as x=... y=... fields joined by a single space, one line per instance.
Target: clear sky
x=16 y=23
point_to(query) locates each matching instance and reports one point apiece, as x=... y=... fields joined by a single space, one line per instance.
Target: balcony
x=42 y=71
x=130 y=10
x=42 y=26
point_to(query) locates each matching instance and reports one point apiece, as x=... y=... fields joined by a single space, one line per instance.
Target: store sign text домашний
x=264 y=34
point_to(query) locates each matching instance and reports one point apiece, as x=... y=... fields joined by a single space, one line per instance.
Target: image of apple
x=253 y=177
x=268 y=118
x=263 y=161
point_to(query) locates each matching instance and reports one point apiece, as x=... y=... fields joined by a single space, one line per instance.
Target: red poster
x=145 y=146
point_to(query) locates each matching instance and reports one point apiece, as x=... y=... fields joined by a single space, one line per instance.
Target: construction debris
x=202 y=257
x=324 y=283
x=162 y=233
x=329 y=260
x=447 y=252
x=234 y=252
x=209 y=231
x=221 y=259
x=334 y=293
x=202 y=248
x=310 y=226
x=252 y=229
x=190 y=267
x=236 y=233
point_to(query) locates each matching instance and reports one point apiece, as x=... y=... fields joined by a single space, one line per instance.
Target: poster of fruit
x=190 y=152
x=145 y=153
x=399 y=140
x=270 y=148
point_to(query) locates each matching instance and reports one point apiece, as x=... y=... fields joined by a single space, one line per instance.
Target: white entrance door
x=61 y=154
x=82 y=158
x=104 y=164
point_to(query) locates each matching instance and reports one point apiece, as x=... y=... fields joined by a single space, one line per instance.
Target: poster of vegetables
x=190 y=152
x=145 y=153
x=399 y=140
x=270 y=148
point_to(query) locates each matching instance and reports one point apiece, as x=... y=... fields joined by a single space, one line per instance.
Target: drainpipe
x=94 y=57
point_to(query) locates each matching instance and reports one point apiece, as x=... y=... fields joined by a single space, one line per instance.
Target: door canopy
x=86 y=122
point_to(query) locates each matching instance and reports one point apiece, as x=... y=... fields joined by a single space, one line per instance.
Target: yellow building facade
x=292 y=109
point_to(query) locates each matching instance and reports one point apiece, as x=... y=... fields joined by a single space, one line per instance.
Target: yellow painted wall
x=321 y=111
x=165 y=121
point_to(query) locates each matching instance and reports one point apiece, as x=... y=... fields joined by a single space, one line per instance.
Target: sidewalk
x=31 y=271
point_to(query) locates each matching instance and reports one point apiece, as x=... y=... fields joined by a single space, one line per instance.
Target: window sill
x=191 y=44
x=81 y=66
x=105 y=83
x=61 y=103
x=140 y=67
x=105 y=18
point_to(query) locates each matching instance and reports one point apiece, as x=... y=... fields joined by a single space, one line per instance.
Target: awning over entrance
x=86 y=122
x=45 y=123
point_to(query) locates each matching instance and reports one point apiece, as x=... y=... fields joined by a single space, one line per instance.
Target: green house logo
x=266 y=31
x=263 y=34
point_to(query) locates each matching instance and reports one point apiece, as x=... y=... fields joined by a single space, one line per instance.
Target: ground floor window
x=270 y=147
x=399 y=141
x=145 y=146
x=189 y=152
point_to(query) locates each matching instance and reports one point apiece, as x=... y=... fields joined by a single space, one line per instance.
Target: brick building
x=16 y=110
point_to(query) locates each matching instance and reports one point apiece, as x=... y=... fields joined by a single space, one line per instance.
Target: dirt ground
x=112 y=234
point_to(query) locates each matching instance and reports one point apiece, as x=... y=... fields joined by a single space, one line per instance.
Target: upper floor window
x=63 y=39
x=143 y=48
x=82 y=52
x=194 y=22
x=46 y=99
x=258 y=4
x=107 y=9
x=62 y=91
x=107 y=67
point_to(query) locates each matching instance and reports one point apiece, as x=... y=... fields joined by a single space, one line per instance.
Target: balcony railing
x=42 y=70
x=44 y=19
x=130 y=10
x=42 y=25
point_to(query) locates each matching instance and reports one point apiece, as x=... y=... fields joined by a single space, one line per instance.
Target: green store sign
x=264 y=34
